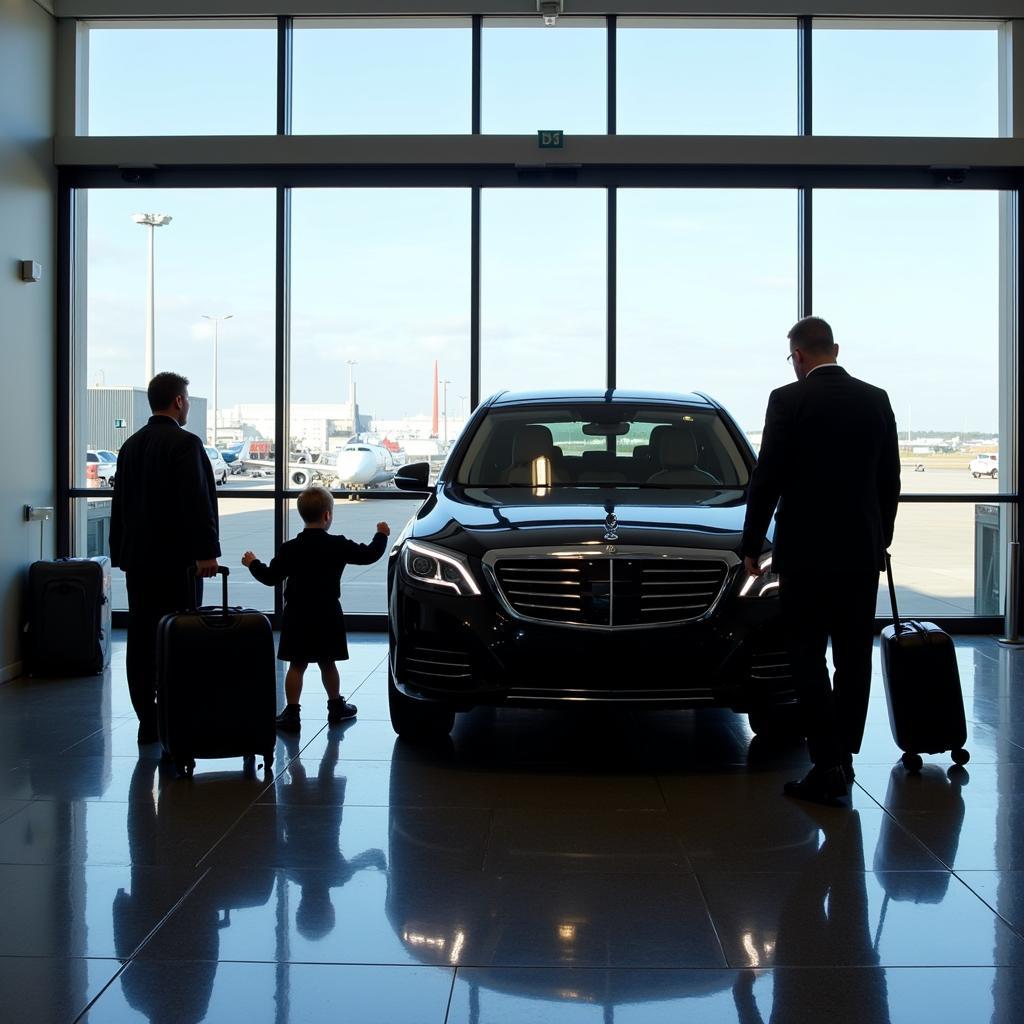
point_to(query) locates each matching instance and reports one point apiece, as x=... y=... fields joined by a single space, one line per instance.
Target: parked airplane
x=358 y=464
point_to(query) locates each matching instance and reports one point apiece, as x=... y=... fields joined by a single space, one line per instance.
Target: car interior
x=683 y=452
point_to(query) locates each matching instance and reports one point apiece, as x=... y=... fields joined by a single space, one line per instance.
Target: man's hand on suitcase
x=384 y=528
x=752 y=566
x=206 y=567
x=248 y=558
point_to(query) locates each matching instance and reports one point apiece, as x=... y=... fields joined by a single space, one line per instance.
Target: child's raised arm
x=266 y=574
x=363 y=554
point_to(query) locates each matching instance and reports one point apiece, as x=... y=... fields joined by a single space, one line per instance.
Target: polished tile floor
x=540 y=867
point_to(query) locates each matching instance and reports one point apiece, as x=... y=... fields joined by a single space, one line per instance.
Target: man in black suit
x=163 y=520
x=830 y=461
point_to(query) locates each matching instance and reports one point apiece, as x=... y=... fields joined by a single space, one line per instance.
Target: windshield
x=603 y=446
x=212 y=452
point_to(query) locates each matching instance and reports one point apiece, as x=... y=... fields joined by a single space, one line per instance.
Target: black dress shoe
x=821 y=786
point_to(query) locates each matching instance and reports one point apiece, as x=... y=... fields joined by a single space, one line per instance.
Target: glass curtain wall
x=380 y=335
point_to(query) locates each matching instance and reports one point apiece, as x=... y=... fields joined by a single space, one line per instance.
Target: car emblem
x=611 y=525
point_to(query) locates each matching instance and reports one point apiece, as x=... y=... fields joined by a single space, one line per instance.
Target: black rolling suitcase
x=68 y=627
x=216 y=684
x=922 y=688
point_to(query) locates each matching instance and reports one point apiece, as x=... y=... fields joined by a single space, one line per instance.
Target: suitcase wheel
x=185 y=769
x=912 y=762
x=960 y=756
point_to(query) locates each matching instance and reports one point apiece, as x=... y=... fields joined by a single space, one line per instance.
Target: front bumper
x=469 y=652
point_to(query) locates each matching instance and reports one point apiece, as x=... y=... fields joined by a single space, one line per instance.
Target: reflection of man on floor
x=824 y=922
x=305 y=845
x=148 y=834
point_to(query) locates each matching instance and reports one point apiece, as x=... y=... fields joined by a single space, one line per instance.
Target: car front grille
x=609 y=593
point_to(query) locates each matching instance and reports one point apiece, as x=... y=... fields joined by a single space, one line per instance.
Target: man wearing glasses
x=829 y=461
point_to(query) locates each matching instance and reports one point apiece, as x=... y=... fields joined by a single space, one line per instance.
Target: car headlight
x=765 y=585
x=438 y=567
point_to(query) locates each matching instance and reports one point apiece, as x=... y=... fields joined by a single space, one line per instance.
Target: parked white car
x=220 y=467
x=106 y=465
x=985 y=464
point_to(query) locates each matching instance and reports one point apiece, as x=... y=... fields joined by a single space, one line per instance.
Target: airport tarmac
x=933 y=551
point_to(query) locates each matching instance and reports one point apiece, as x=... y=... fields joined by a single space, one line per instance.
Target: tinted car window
x=602 y=446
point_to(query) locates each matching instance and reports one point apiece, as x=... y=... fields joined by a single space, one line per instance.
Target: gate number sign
x=551 y=140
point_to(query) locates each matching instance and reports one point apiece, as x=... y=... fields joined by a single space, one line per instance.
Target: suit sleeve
x=889 y=474
x=351 y=553
x=115 y=534
x=268 y=574
x=198 y=504
x=766 y=481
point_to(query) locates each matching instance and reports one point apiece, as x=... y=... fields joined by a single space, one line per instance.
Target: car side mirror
x=413 y=477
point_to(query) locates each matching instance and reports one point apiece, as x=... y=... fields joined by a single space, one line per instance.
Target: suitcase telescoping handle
x=892 y=593
x=222 y=572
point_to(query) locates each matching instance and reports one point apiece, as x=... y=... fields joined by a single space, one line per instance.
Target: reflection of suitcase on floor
x=69 y=616
x=216 y=684
x=922 y=688
x=938 y=795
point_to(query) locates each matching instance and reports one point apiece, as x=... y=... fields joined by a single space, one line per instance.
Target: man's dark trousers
x=840 y=603
x=152 y=594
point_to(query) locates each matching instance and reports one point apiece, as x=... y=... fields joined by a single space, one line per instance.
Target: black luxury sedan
x=584 y=546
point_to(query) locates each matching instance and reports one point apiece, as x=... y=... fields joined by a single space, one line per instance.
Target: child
x=313 y=625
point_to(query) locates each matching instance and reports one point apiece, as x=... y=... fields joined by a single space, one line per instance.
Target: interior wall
x=27 y=310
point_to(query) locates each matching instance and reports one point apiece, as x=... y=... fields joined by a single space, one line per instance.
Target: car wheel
x=976 y=475
x=782 y=722
x=994 y=474
x=417 y=721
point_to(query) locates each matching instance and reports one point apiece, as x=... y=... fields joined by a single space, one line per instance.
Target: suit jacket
x=165 y=507
x=312 y=564
x=830 y=461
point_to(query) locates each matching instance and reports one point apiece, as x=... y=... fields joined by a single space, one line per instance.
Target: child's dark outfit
x=313 y=624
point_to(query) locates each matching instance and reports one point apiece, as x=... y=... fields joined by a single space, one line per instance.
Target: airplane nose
x=356 y=467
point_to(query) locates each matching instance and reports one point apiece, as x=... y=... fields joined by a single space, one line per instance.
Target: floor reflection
x=544 y=867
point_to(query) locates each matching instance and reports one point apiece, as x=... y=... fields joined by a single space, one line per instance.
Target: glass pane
x=910 y=283
x=177 y=78
x=905 y=78
x=246 y=524
x=707 y=283
x=369 y=76
x=213 y=290
x=380 y=331
x=543 y=289
x=946 y=560
x=536 y=77
x=701 y=76
x=363 y=587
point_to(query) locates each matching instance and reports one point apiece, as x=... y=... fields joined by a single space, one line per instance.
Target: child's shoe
x=289 y=720
x=339 y=710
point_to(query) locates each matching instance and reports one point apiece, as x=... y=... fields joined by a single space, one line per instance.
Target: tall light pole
x=216 y=340
x=151 y=220
x=444 y=392
x=352 y=395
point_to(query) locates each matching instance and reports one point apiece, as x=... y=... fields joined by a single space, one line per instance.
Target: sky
x=707 y=279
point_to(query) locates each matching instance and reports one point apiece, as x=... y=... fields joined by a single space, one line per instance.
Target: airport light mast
x=444 y=386
x=151 y=221
x=352 y=396
x=216 y=339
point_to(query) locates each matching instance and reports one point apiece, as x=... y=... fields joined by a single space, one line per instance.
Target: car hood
x=477 y=520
